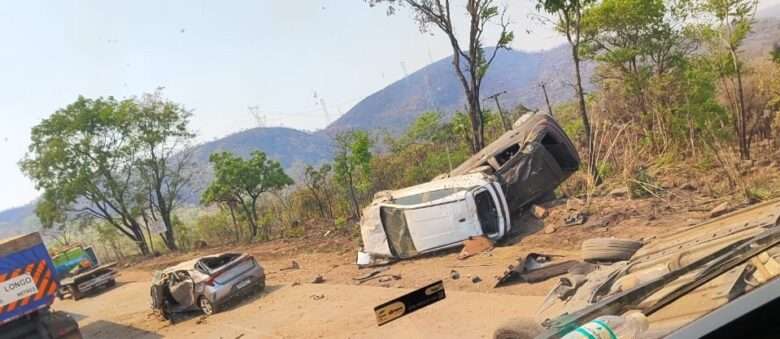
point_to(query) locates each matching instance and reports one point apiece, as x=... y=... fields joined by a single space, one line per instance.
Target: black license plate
x=409 y=303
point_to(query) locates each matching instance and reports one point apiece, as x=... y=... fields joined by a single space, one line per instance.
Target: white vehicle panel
x=439 y=225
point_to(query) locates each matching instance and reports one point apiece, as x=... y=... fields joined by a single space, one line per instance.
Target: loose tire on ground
x=608 y=249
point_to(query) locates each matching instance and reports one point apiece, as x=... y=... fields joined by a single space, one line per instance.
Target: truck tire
x=75 y=293
x=517 y=329
x=608 y=249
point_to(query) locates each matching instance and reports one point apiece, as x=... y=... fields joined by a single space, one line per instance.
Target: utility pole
x=543 y=85
x=504 y=120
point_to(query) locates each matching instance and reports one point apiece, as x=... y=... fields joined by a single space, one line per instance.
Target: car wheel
x=259 y=287
x=608 y=249
x=111 y=283
x=517 y=329
x=207 y=306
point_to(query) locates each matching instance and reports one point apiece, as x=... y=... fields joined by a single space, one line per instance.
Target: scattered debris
x=574 y=204
x=619 y=192
x=293 y=266
x=365 y=259
x=240 y=336
x=475 y=245
x=202 y=319
x=390 y=277
x=610 y=219
x=385 y=285
x=326 y=234
x=476 y=279
x=317 y=296
x=295 y=283
x=370 y=275
x=549 y=229
x=454 y=275
x=533 y=268
x=576 y=218
x=539 y=212
x=319 y=279
x=720 y=210
x=688 y=186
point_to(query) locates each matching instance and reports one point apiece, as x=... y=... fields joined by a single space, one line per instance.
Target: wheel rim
x=205 y=305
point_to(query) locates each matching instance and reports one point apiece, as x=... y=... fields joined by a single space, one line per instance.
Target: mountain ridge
x=431 y=88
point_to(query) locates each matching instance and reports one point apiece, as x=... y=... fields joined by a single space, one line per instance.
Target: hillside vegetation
x=695 y=103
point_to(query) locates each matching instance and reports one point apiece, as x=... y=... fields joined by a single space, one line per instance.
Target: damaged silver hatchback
x=205 y=283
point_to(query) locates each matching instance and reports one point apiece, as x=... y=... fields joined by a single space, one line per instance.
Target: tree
x=569 y=23
x=470 y=63
x=316 y=180
x=731 y=21
x=640 y=43
x=352 y=164
x=162 y=137
x=245 y=180
x=83 y=158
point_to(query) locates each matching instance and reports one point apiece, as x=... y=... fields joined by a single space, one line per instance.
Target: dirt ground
x=293 y=307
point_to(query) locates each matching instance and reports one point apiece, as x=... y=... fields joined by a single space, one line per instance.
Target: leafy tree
x=352 y=164
x=642 y=47
x=469 y=61
x=730 y=23
x=316 y=180
x=245 y=180
x=83 y=158
x=569 y=22
x=623 y=33
x=162 y=136
x=226 y=201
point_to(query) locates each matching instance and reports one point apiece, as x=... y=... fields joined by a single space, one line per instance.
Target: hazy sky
x=217 y=58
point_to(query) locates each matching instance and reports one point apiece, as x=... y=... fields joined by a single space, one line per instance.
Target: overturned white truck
x=476 y=198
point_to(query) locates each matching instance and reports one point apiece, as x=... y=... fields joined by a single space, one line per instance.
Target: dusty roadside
x=302 y=311
x=342 y=308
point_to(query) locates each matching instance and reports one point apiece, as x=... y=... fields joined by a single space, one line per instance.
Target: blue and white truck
x=28 y=285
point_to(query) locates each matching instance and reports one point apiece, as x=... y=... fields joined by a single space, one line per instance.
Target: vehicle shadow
x=230 y=305
x=250 y=298
x=76 y=316
x=109 y=330
x=100 y=291
x=522 y=226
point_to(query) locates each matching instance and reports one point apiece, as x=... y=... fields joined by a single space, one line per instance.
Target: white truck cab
x=434 y=215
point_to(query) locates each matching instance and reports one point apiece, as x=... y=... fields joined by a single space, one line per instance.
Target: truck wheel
x=517 y=329
x=75 y=293
x=207 y=306
x=608 y=249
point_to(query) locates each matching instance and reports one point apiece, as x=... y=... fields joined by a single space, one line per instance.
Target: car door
x=442 y=224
